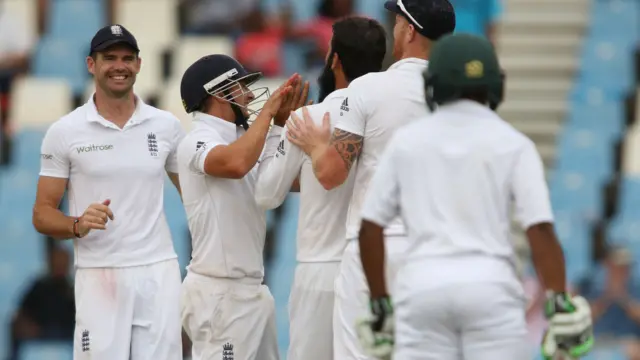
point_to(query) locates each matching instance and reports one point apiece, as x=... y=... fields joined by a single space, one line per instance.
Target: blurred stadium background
x=573 y=70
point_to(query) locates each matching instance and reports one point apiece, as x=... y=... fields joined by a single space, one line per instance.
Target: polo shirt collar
x=141 y=114
x=227 y=130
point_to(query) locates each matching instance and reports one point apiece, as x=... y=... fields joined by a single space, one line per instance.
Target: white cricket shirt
x=227 y=227
x=375 y=106
x=125 y=165
x=322 y=215
x=453 y=176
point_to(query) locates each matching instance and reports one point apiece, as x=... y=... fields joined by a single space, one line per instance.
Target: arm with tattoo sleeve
x=333 y=165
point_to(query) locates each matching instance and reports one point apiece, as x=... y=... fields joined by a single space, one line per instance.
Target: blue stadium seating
x=607 y=353
x=605 y=118
x=573 y=233
x=586 y=152
x=60 y=57
x=37 y=350
x=26 y=149
x=584 y=157
x=293 y=57
x=625 y=227
x=616 y=19
x=281 y=273
x=76 y=19
x=602 y=57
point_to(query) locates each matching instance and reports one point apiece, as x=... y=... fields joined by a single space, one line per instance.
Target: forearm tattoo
x=348 y=145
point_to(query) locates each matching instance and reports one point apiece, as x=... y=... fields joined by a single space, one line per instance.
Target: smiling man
x=112 y=154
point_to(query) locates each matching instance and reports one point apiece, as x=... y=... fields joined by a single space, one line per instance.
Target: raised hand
x=295 y=100
x=273 y=104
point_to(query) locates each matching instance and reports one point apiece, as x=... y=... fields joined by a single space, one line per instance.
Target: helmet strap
x=241 y=119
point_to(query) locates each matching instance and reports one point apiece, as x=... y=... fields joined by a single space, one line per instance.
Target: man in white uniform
x=358 y=47
x=226 y=311
x=452 y=177
x=111 y=154
x=374 y=106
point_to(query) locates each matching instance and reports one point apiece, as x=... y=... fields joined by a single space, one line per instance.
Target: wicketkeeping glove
x=376 y=332
x=570 y=329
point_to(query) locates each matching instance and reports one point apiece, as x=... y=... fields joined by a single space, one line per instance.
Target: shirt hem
x=127 y=264
x=55 y=175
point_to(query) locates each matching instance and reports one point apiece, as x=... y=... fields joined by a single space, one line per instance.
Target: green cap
x=463 y=62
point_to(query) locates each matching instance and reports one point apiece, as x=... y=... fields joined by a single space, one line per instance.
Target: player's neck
x=117 y=110
x=418 y=52
x=219 y=113
x=341 y=83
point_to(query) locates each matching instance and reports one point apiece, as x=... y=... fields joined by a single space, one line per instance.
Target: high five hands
x=292 y=100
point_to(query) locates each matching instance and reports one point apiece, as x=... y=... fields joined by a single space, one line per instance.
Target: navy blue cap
x=208 y=74
x=112 y=35
x=431 y=18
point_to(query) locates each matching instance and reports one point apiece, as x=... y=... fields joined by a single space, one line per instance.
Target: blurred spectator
x=44 y=7
x=223 y=17
x=47 y=310
x=479 y=17
x=320 y=28
x=15 y=51
x=614 y=296
x=259 y=47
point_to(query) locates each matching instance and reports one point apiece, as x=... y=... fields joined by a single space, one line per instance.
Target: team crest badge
x=474 y=69
x=227 y=351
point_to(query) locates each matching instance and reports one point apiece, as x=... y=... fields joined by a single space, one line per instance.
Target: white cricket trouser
x=352 y=296
x=457 y=321
x=311 y=311
x=128 y=313
x=229 y=318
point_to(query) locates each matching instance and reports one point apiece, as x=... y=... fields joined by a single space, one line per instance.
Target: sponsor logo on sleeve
x=345 y=106
x=281 y=149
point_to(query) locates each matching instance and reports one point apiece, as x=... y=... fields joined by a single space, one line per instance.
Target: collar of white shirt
x=142 y=113
x=465 y=106
x=409 y=62
x=226 y=129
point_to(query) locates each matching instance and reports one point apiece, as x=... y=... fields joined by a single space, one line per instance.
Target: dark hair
x=327 y=8
x=94 y=54
x=361 y=45
x=479 y=94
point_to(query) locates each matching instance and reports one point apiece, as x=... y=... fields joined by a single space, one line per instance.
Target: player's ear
x=138 y=63
x=411 y=33
x=335 y=62
x=91 y=65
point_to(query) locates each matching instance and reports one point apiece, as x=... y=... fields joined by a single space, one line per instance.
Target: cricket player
x=226 y=311
x=111 y=155
x=358 y=47
x=374 y=106
x=452 y=177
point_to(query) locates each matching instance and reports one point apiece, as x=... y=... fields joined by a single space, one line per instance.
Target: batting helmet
x=462 y=64
x=218 y=75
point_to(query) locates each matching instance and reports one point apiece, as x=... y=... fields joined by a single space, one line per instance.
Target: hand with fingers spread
x=294 y=100
x=306 y=135
x=275 y=101
x=94 y=218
